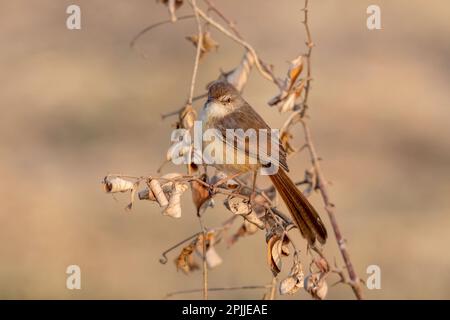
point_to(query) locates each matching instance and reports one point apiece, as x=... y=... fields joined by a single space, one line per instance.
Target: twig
x=267 y=68
x=205 y=267
x=164 y=259
x=230 y=23
x=219 y=289
x=150 y=27
x=329 y=207
x=219 y=27
x=310 y=45
x=199 y=50
x=321 y=181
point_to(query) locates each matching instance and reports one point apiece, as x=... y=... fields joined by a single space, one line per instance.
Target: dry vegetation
x=263 y=213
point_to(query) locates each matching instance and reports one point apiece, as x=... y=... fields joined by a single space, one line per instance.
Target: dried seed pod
x=237 y=206
x=146 y=194
x=158 y=192
x=187 y=117
x=208 y=43
x=174 y=207
x=116 y=184
x=242 y=207
x=185 y=260
x=200 y=193
x=316 y=286
x=274 y=254
x=294 y=281
x=212 y=257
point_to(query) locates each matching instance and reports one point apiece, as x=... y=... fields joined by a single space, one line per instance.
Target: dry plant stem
x=219 y=27
x=310 y=45
x=230 y=23
x=354 y=282
x=205 y=267
x=232 y=26
x=218 y=289
x=150 y=27
x=199 y=50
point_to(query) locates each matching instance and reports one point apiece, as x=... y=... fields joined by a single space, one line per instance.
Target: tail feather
x=303 y=213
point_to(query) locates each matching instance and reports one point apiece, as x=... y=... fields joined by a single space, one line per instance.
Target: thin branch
x=329 y=207
x=205 y=267
x=321 y=181
x=219 y=289
x=199 y=50
x=157 y=24
x=164 y=259
x=219 y=27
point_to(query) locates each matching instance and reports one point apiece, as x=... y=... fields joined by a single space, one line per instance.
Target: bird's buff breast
x=209 y=115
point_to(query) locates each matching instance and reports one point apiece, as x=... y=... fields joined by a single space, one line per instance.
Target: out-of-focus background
x=76 y=105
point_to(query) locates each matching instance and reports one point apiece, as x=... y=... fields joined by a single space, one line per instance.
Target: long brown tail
x=303 y=213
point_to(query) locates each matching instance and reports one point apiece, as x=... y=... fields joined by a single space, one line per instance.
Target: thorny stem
x=321 y=181
x=329 y=207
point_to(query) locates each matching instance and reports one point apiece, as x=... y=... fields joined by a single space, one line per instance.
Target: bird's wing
x=268 y=148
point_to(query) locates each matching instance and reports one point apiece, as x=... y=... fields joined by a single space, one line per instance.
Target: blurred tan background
x=76 y=105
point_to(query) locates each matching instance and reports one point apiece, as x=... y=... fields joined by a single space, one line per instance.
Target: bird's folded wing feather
x=246 y=118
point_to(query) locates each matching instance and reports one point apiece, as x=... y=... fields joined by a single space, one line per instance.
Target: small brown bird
x=226 y=109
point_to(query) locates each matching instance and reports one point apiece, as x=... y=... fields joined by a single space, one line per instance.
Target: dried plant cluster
x=262 y=215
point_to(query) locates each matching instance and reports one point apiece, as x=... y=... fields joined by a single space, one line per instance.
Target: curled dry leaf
x=316 y=286
x=238 y=206
x=242 y=207
x=208 y=43
x=174 y=207
x=274 y=254
x=292 y=87
x=172 y=6
x=238 y=77
x=294 y=281
x=211 y=256
x=187 y=117
x=295 y=68
x=200 y=194
x=322 y=264
x=285 y=138
x=116 y=184
x=185 y=261
x=158 y=192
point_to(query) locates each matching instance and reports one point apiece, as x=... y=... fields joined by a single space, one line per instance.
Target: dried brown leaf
x=274 y=254
x=185 y=261
x=200 y=193
x=316 y=286
x=208 y=43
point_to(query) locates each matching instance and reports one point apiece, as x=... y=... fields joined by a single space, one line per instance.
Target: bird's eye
x=228 y=100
